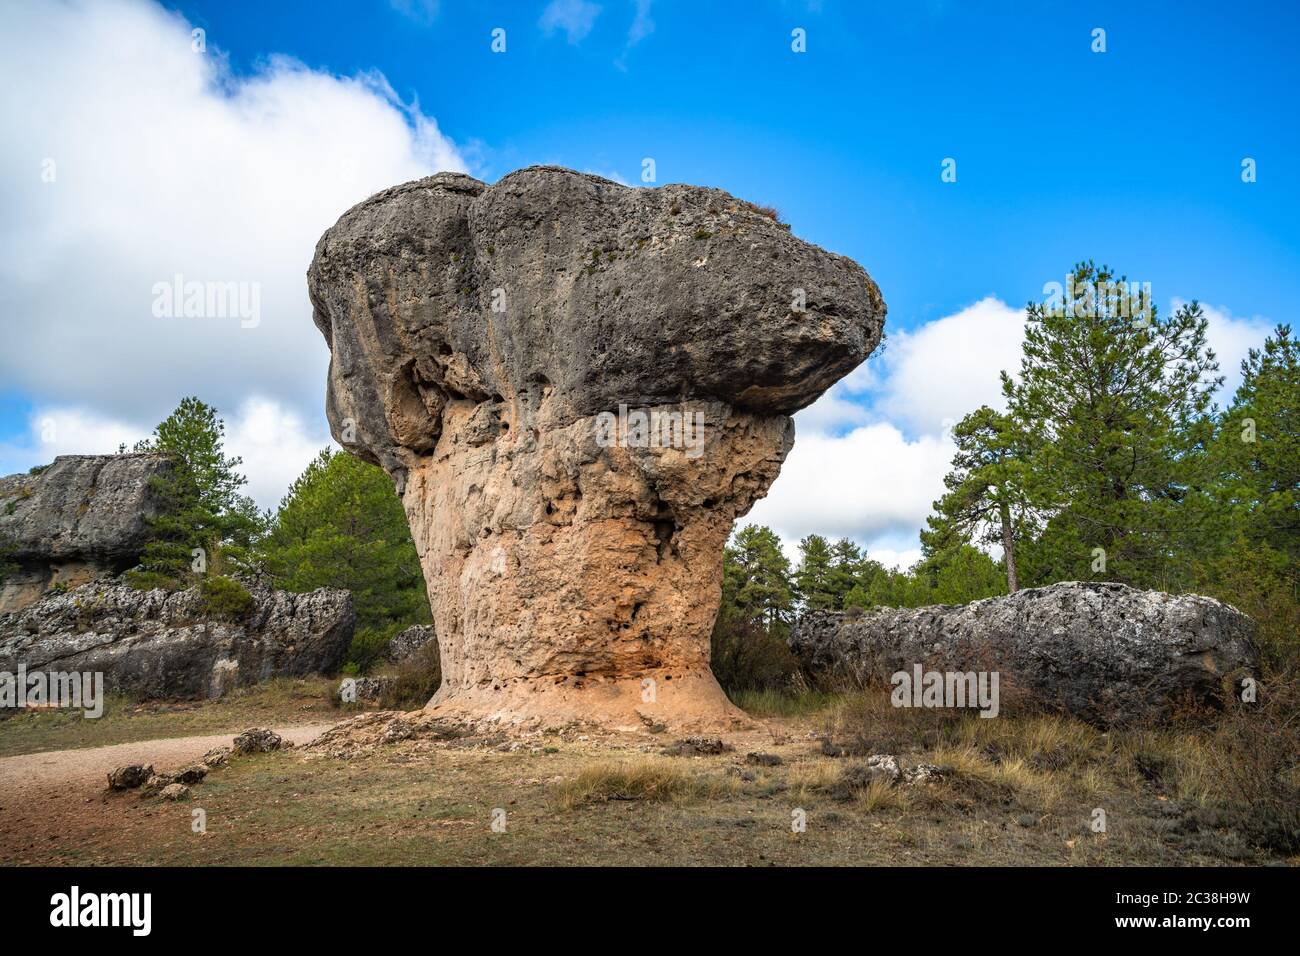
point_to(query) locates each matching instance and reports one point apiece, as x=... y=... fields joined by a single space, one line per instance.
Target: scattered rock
x=1104 y=652
x=519 y=321
x=155 y=784
x=925 y=773
x=162 y=644
x=370 y=689
x=697 y=747
x=175 y=791
x=129 y=777
x=396 y=731
x=217 y=757
x=859 y=776
x=257 y=740
x=192 y=774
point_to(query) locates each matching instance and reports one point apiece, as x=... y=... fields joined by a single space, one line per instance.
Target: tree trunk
x=1009 y=549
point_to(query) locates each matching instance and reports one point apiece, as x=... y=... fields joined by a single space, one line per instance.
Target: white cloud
x=165 y=163
x=1231 y=339
x=574 y=17
x=863 y=485
x=642 y=25
x=946 y=368
x=275 y=442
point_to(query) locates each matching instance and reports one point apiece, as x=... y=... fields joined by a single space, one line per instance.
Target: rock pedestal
x=577 y=388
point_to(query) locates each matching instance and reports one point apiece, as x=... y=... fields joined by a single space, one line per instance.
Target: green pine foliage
x=341 y=525
x=205 y=525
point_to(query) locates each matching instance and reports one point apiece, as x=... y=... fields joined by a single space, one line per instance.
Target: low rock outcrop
x=577 y=388
x=1103 y=652
x=81 y=518
x=156 y=644
x=410 y=642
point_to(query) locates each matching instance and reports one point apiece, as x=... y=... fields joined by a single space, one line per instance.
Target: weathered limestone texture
x=81 y=518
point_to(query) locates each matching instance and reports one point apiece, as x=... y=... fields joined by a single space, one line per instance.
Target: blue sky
x=229 y=162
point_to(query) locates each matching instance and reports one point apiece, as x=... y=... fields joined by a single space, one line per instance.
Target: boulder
x=1101 y=651
x=577 y=387
x=157 y=644
x=81 y=518
x=129 y=777
x=257 y=740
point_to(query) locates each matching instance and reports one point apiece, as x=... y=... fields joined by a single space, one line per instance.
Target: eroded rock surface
x=160 y=644
x=1104 y=652
x=81 y=518
x=492 y=348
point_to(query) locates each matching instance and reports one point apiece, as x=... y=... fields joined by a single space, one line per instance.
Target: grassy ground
x=1023 y=790
x=124 y=721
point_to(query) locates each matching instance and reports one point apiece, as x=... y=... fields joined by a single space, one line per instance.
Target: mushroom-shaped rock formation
x=577 y=388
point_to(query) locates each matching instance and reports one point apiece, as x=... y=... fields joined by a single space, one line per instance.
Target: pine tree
x=1111 y=404
x=201 y=509
x=987 y=501
x=846 y=565
x=756 y=579
x=1256 y=452
x=341 y=525
x=813 y=578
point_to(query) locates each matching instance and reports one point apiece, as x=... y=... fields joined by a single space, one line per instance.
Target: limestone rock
x=257 y=740
x=156 y=644
x=192 y=774
x=129 y=777
x=577 y=388
x=80 y=518
x=175 y=791
x=156 y=784
x=217 y=757
x=411 y=641
x=1104 y=652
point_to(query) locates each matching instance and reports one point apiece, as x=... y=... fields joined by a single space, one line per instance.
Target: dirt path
x=55 y=805
x=38 y=775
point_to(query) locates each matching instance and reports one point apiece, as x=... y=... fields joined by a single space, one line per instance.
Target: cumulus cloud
x=574 y=17
x=872 y=452
x=275 y=442
x=937 y=373
x=869 y=483
x=129 y=159
x=1231 y=338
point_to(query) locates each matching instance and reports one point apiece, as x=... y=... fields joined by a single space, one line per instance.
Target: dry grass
x=655 y=779
x=1018 y=789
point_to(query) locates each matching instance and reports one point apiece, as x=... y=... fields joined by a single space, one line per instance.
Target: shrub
x=369 y=646
x=415 y=680
x=744 y=656
x=224 y=597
